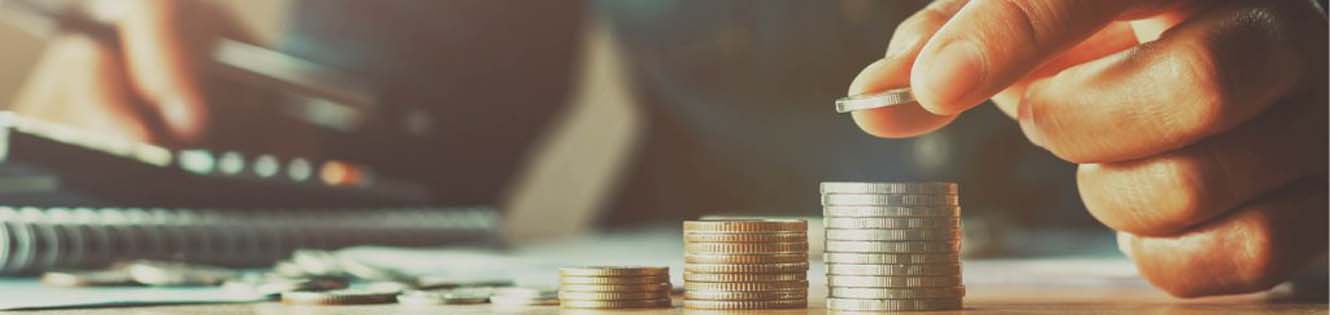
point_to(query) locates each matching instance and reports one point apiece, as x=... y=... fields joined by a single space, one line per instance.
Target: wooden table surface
x=979 y=300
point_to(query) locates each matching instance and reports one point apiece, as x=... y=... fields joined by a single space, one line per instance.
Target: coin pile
x=614 y=287
x=892 y=246
x=745 y=264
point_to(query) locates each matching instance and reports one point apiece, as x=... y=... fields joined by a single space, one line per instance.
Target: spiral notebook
x=73 y=199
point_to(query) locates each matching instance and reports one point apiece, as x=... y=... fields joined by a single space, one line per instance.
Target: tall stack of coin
x=614 y=287
x=892 y=246
x=745 y=264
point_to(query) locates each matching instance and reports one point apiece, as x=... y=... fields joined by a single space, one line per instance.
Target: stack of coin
x=892 y=246
x=614 y=287
x=745 y=264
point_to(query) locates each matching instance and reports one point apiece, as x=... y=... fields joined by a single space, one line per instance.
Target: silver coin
x=95 y=278
x=893 y=234
x=952 y=246
x=159 y=273
x=892 y=223
x=889 y=188
x=891 y=211
x=893 y=282
x=880 y=258
x=894 y=270
x=881 y=99
x=897 y=293
x=841 y=304
x=338 y=297
x=888 y=200
x=454 y=296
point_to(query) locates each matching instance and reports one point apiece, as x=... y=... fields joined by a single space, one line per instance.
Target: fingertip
x=944 y=78
x=900 y=121
x=872 y=78
x=186 y=119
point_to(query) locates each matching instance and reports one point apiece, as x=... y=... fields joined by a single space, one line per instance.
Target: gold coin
x=897 y=293
x=613 y=296
x=616 y=304
x=614 y=271
x=746 y=295
x=744 y=305
x=745 y=286
x=893 y=282
x=889 y=188
x=953 y=223
x=614 y=280
x=893 y=305
x=949 y=246
x=745 y=225
x=744 y=277
x=694 y=258
x=893 y=234
x=891 y=211
x=698 y=237
x=747 y=268
x=338 y=297
x=746 y=248
x=894 y=270
x=888 y=200
x=878 y=258
x=652 y=287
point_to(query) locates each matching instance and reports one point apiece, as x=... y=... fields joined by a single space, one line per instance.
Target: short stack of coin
x=745 y=264
x=614 y=287
x=892 y=246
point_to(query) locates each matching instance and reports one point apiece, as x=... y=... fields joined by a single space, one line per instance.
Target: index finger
x=893 y=71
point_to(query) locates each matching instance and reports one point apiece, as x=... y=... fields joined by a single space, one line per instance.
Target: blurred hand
x=1199 y=127
x=144 y=85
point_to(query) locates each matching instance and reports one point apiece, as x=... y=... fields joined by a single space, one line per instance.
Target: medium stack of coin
x=614 y=287
x=892 y=246
x=745 y=264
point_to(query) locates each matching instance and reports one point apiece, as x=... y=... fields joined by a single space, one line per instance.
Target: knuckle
x=1198 y=67
x=1158 y=197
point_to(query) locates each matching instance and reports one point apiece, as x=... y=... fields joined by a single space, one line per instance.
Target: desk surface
x=980 y=300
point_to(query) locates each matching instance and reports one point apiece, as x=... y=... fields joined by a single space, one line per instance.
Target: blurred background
x=580 y=116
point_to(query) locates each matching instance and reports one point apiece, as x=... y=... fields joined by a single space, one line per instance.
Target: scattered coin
x=868 y=101
x=92 y=278
x=893 y=305
x=267 y=285
x=524 y=296
x=428 y=282
x=338 y=297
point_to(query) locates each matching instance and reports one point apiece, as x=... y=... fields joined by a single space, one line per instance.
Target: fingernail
x=951 y=74
x=1025 y=115
x=176 y=113
x=1124 y=243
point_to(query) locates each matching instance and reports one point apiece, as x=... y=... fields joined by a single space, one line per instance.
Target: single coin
x=889 y=188
x=891 y=211
x=694 y=258
x=893 y=223
x=745 y=237
x=747 y=268
x=888 y=200
x=745 y=225
x=524 y=292
x=499 y=300
x=893 y=247
x=744 y=277
x=893 y=282
x=614 y=280
x=393 y=286
x=746 y=248
x=873 y=100
x=744 y=286
x=616 y=304
x=614 y=271
x=338 y=297
x=448 y=297
x=742 y=305
x=160 y=273
x=746 y=295
x=893 y=234
x=893 y=305
x=613 y=296
x=95 y=278
x=654 y=287
x=894 y=270
x=879 y=258
x=897 y=293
